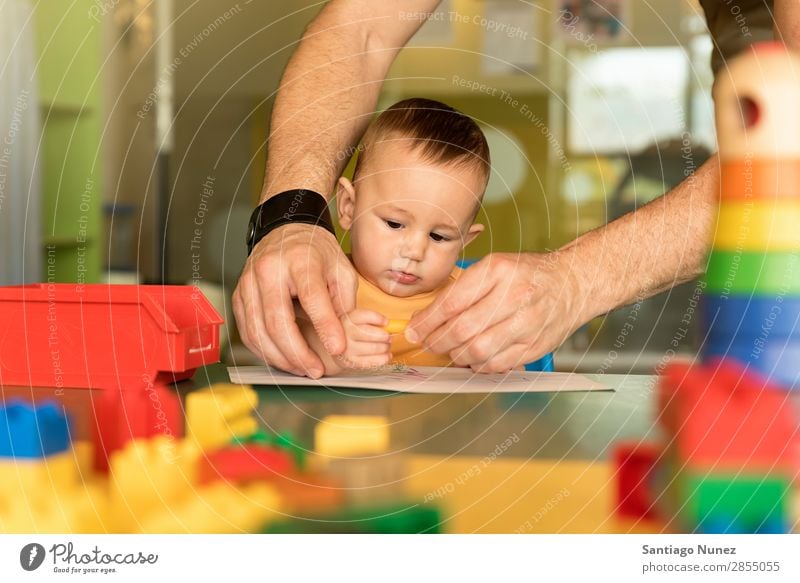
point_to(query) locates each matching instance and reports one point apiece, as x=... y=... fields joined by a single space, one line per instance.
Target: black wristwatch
x=292 y=206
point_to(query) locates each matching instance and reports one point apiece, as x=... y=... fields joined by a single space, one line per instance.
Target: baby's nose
x=414 y=245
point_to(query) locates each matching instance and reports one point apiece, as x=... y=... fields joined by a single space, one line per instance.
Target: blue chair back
x=545 y=363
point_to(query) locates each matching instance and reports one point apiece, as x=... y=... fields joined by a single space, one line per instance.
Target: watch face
x=251 y=231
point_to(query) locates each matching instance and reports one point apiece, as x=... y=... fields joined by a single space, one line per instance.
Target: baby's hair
x=442 y=134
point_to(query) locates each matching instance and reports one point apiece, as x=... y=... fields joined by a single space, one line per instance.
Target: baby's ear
x=345 y=202
x=473 y=232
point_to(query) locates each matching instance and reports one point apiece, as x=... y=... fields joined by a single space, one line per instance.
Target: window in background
x=638 y=121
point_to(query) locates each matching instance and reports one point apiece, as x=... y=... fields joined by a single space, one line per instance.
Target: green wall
x=68 y=42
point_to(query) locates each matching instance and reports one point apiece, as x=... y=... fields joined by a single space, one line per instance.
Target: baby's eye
x=438 y=238
x=393 y=224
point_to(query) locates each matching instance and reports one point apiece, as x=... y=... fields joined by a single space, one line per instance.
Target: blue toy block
x=773 y=356
x=721 y=524
x=748 y=316
x=27 y=431
x=773 y=527
x=544 y=364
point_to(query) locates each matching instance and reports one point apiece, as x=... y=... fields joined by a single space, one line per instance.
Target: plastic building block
x=80 y=509
x=122 y=416
x=765 y=225
x=19 y=478
x=761 y=273
x=763 y=130
x=309 y=493
x=147 y=476
x=396 y=326
x=104 y=336
x=748 y=316
x=370 y=480
x=283 y=440
x=351 y=435
x=723 y=417
x=301 y=492
x=217 y=508
x=244 y=463
x=30 y=431
x=720 y=503
x=385 y=519
x=721 y=524
x=775 y=357
x=634 y=463
x=217 y=414
x=759 y=178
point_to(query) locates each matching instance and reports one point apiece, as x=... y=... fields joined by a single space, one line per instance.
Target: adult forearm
x=647 y=251
x=330 y=88
x=787 y=22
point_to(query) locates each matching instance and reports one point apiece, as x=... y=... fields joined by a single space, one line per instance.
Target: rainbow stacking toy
x=732 y=454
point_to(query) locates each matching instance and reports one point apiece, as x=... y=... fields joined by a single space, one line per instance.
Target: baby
x=416 y=190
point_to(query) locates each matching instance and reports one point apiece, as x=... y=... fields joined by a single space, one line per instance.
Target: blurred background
x=133 y=134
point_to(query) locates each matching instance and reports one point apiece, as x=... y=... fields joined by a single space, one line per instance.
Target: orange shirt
x=371 y=297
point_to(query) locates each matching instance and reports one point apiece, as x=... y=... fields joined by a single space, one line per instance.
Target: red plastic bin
x=104 y=336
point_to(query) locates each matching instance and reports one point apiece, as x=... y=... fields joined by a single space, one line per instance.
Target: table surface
x=535 y=462
x=553 y=477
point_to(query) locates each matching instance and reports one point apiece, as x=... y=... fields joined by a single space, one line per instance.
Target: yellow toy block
x=217 y=508
x=219 y=413
x=769 y=225
x=351 y=435
x=55 y=494
x=396 y=326
x=56 y=472
x=81 y=509
x=148 y=476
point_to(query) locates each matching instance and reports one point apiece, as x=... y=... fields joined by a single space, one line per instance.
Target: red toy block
x=300 y=492
x=243 y=463
x=104 y=336
x=724 y=417
x=121 y=416
x=634 y=463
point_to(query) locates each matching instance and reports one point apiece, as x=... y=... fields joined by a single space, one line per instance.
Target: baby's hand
x=368 y=343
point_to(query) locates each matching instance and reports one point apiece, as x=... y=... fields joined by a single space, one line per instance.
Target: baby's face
x=409 y=218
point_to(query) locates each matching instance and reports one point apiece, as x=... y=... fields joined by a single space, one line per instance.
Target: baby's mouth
x=403 y=277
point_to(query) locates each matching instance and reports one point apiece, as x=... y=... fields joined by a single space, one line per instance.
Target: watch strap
x=292 y=206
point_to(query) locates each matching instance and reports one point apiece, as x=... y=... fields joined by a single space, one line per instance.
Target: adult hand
x=294 y=261
x=504 y=311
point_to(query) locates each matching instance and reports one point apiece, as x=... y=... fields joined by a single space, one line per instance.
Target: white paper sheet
x=425 y=379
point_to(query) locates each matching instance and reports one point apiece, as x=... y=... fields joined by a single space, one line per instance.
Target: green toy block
x=746 y=272
x=745 y=503
x=283 y=440
x=393 y=519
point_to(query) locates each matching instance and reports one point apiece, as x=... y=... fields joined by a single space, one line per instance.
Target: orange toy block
x=723 y=417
